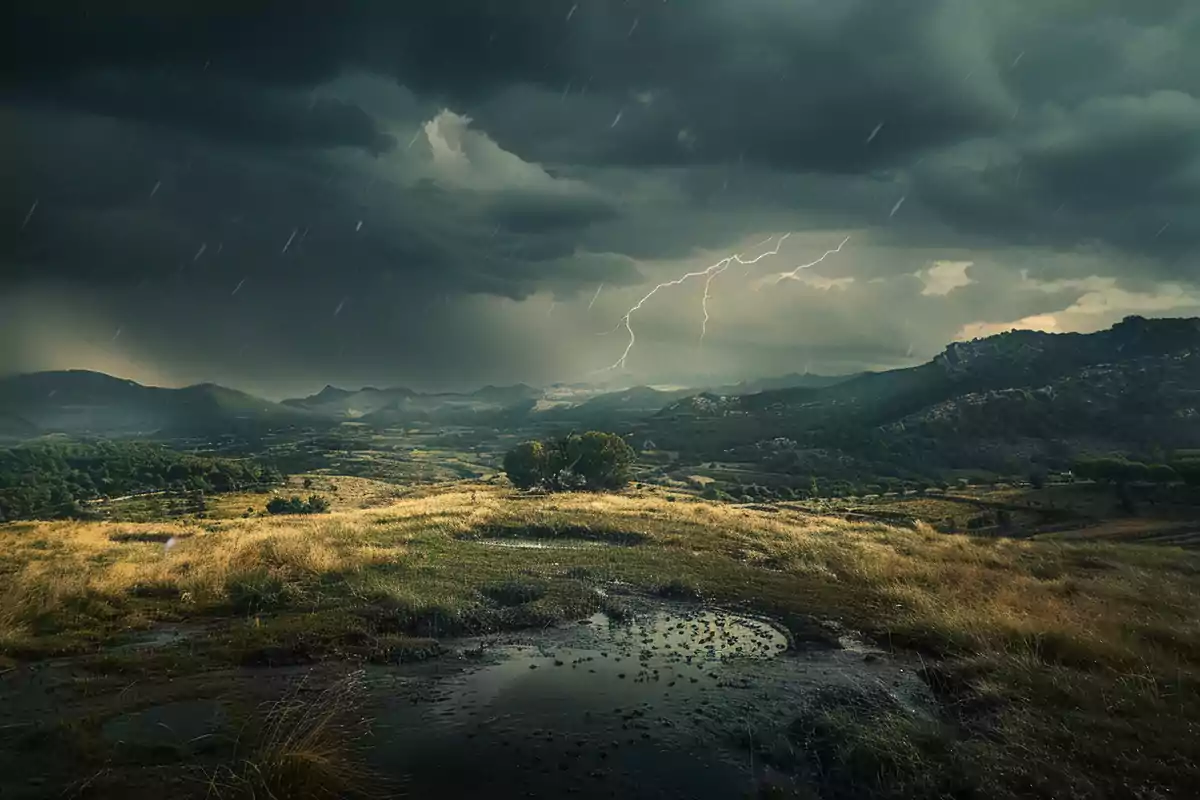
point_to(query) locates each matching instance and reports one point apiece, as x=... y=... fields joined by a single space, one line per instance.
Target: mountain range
x=81 y=402
x=1132 y=385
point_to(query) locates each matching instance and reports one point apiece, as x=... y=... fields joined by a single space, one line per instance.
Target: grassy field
x=343 y=492
x=1065 y=669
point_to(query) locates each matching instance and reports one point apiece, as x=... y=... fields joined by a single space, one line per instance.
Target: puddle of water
x=659 y=707
x=533 y=544
x=185 y=726
x=164 y=636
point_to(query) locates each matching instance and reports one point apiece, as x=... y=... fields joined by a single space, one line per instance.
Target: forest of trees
x=54 y=480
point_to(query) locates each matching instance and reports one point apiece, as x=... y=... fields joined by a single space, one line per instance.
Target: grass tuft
x=308 y=748
x=861 y=744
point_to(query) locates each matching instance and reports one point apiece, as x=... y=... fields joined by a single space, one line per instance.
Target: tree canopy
x=593 y=461
x=53 y=479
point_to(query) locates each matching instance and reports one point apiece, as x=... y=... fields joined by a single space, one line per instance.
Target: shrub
x=315 y=504
x=1037 y=478
x=1163 y=473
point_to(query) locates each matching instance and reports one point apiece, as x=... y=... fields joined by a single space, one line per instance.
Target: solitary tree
x=593 y=460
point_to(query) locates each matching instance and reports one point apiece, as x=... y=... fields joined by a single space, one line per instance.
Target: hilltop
x=1006 y=639
x=1131 y=388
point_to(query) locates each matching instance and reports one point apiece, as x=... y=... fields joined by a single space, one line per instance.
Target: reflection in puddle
x=658 y=707
x=183 y=725
x=535 y=544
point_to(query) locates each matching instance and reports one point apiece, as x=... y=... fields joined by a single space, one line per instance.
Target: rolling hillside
x=1133 y=386
x=80 y=402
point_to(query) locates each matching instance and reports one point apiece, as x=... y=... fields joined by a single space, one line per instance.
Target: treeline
x=54 y=480
x=1121 y=471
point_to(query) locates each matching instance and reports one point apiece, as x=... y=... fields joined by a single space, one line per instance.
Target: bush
x=1037 y=478
x=593 y=461
x=1163 y=473
x=254 y=591
x=315 y=504
x=1188 y=471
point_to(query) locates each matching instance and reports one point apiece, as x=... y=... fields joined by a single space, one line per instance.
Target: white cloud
x=979 y=330
x=944 y=277
x=469 y=159
x=1099 y=304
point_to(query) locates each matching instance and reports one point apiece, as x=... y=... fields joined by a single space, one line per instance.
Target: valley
x=891 y=585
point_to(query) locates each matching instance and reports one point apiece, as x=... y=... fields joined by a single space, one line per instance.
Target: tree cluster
x=315 y=504
x=1122 y=471
x=53 y=480
x=593 y=461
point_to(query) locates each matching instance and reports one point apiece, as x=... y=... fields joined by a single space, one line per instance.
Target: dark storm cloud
x=120 y=206
x=243 y=170
x=521 y=212
x=216 y=107
x=799 y=85
x=1124 y=170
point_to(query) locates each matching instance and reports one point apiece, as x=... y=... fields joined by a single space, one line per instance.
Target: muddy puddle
x=672 y=703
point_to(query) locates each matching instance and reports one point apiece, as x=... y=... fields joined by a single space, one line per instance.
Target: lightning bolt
x=794 y=273
x=596 y=295
x=709 y=273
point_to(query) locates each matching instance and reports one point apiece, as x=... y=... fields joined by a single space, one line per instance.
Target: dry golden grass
x=1067 y=654
x=308 y=748
x=975 y=594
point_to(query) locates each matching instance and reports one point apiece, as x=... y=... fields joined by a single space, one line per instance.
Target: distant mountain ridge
x=85 y=402
x=400 y=404
x=1136 y=381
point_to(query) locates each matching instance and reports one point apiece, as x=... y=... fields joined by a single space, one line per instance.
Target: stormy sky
x=445 y=194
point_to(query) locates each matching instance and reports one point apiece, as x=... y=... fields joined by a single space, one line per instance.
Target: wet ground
x=673 y=704
x=674 y=701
